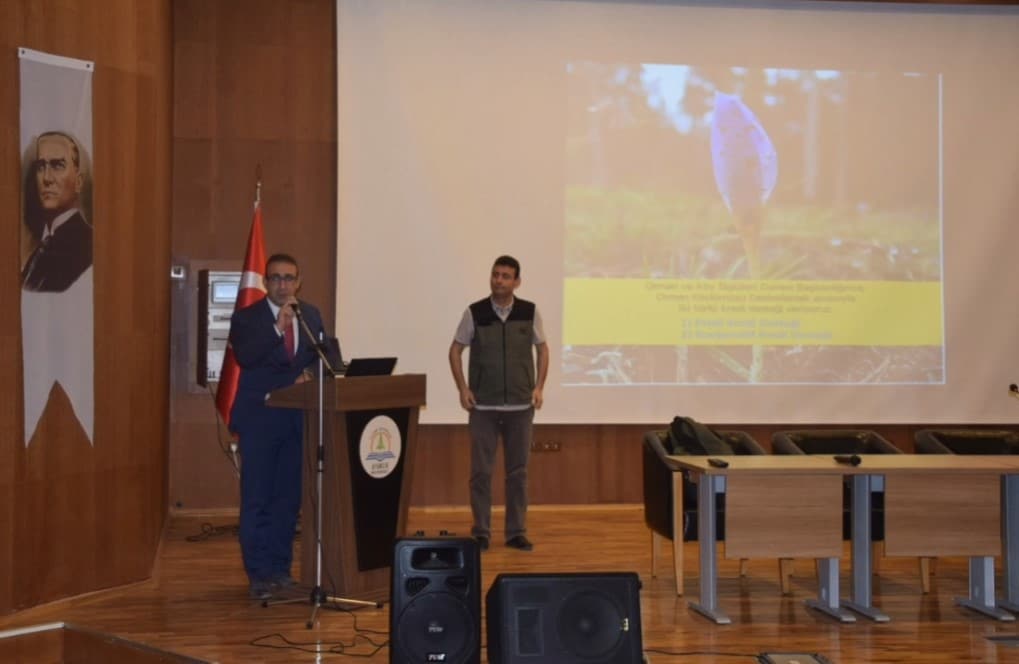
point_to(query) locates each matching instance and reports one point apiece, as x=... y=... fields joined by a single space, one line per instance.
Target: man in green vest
x=503 y=390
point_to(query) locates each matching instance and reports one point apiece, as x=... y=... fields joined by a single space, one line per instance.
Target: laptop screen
x=370 y=366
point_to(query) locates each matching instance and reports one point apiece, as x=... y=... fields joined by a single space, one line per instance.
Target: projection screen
x=763 y=213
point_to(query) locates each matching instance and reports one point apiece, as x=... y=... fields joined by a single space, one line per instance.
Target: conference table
x=790 y=506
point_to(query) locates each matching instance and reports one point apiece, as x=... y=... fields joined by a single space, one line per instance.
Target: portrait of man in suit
x=55 y=216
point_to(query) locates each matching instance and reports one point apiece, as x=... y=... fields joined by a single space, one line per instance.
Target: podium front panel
x=376 y=453
x=364 y=498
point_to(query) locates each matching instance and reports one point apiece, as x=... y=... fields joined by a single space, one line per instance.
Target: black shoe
x=284 y=582
x=260 y=590
x=482 y=542
x=519 y=542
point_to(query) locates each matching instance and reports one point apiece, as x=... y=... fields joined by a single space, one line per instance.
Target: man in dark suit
x=64 y=251
x=272 y=352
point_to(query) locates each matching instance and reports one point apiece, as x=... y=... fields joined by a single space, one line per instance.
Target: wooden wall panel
x=41 y=646
x=77 y=517
x=594 y=464
x=254 y=84
x=12 y=30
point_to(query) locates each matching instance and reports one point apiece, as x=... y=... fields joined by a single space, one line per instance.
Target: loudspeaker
x=564 y=619
x=435 y=601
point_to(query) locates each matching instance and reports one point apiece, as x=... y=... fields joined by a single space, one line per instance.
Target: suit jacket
x=264 y=364
x=59 y=261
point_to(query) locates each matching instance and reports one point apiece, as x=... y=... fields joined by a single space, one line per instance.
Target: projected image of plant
x=746 y=168
x=730 y=224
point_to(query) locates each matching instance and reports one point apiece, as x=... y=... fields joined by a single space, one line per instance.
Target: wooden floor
x=197 y=603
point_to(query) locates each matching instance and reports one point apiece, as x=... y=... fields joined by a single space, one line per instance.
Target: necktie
x=29 y=280
x=288 y=341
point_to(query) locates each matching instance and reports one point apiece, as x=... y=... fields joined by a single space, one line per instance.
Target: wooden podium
x=369 y=436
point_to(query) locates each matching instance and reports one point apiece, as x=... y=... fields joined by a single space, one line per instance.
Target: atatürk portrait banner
x=56 y=235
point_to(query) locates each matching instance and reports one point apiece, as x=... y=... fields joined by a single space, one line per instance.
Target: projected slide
x=729 y=225
x=751 y=213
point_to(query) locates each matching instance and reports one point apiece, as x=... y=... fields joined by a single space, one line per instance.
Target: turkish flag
x=251 y=290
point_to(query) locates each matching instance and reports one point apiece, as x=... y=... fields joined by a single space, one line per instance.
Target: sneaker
x=519 y=542
x=482 y=542
x=260 y=590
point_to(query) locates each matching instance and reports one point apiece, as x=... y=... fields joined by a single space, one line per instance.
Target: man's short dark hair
x=508 y=261
x=282 y=258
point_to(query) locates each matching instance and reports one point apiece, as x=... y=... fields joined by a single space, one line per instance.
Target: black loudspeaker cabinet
x=580 y=618
x=435 y=601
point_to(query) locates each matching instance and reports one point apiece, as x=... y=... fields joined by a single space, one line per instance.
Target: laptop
x=370 y=366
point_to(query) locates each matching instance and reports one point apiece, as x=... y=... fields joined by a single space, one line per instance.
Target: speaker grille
x=564 y=619
x=590 y=624
x=435 y=607
x=437 y=627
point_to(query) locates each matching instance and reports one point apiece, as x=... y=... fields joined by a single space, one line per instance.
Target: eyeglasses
x=277 y=279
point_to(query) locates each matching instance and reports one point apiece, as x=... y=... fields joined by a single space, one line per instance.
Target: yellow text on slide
x=719 y=312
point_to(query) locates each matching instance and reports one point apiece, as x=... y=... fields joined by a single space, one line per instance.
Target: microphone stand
x=323 y=361
x=319 y=597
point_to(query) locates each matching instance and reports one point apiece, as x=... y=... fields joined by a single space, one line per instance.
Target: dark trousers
x=486 y=427
x=270 y=495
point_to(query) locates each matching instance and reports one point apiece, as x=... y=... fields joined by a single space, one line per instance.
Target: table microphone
x=850 y=459
x=1013 y=391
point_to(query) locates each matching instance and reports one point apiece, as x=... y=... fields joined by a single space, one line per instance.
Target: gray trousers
x=486 y=426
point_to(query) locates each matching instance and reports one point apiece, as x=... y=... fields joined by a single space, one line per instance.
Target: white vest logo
x=380 y=446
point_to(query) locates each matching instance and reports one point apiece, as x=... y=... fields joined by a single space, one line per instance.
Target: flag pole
x=250 y=290
x=258 y=185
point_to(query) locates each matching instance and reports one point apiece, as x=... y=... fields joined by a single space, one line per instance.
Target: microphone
x=296 y=307
x=1013 y=391
x=850 y=459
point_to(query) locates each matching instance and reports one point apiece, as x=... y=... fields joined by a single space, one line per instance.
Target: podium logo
x=380 y=446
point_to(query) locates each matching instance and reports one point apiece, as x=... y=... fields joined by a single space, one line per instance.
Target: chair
x=961 y=441
x=966 y=441
x=662 y=477
x=844 y=441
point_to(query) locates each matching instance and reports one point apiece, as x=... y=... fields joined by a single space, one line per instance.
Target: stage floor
x=197 y=603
